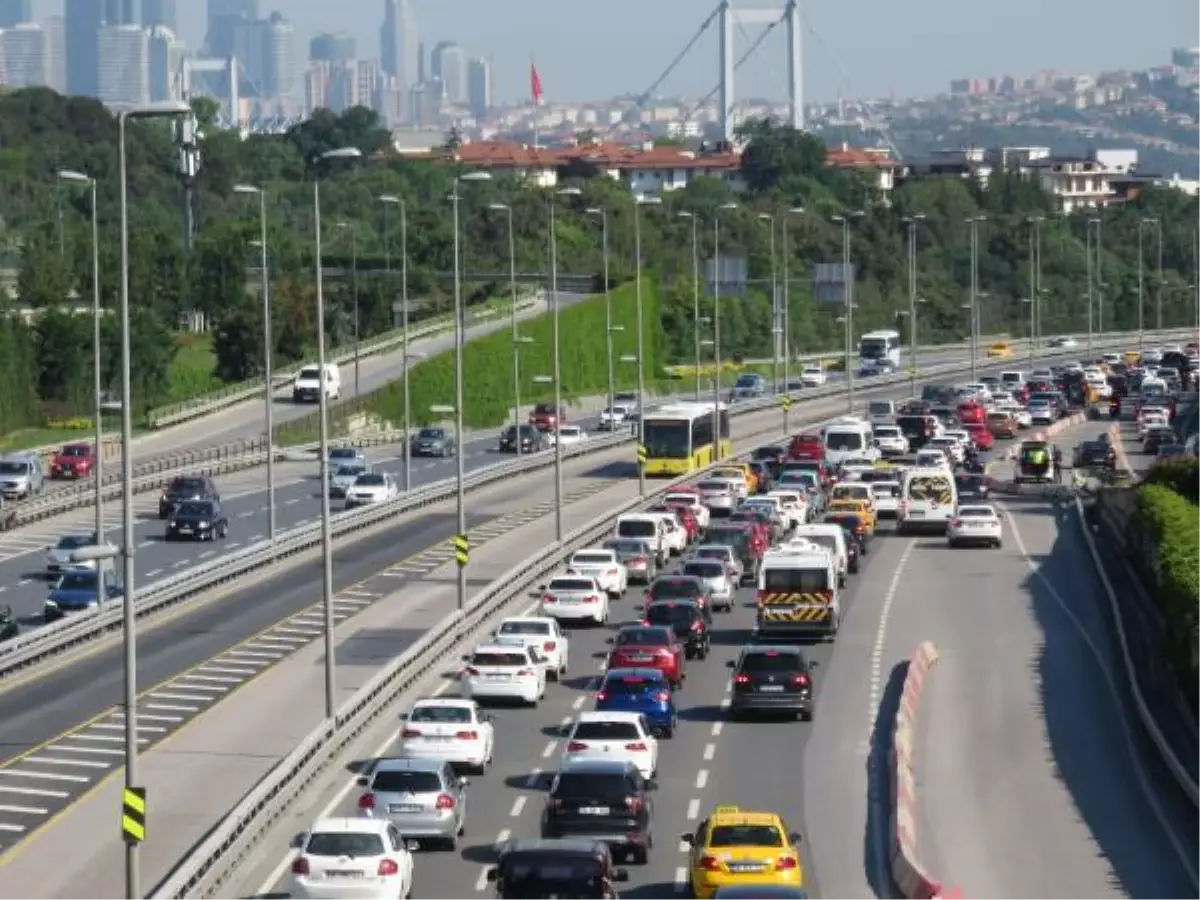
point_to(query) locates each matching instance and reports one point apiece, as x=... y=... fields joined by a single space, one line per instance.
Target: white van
x=927 y=499
x=848 y=438
x=307 y=386
x=798 y=591
x=675 y=536
x=881 y=412
x=830 y=536
x=645 y=527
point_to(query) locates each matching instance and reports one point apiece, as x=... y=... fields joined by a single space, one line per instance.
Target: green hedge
x=488 y=369
x=1180 y=475
x=1172 y=571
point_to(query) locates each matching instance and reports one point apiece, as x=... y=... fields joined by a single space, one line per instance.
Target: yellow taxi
x=1000 y=350
x=854 y=505
x=736 y=847
x=746 y=472
x=1132 y=357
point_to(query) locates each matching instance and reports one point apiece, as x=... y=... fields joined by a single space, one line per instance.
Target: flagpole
x=535 y=88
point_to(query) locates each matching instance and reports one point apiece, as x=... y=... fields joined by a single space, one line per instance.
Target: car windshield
x=403 y=781
x=448 y=714
x=637 y=528
x=186 y=486
x=730 y=537
x=343 y=843
x=887 y=431
x=431 y=434
x=343 y=453
x=667 y=439
x=524 y=628
x=499 y=658
x=76 y=450
x=745 y=836
x=745 y=381
x=643 y=637
x=544 y=875
x=704 y=569
x=976 y=512
x=74 y=541
x=629 y=547
x=844 y=440
x=605 y=731
x=369 y=480
x=795 y=579
x=583 y=785
x=309 y=373
x=193 y=510
x=350 y=471
x=544 y=409
x=772 y=661
x=78 y=581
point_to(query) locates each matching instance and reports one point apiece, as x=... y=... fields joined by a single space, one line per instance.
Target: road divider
x=907 y=871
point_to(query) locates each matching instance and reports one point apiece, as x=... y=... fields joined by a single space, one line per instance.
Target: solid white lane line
x=12 y=829
x=188 y=682
x=95 y=751
x=215 y=679
x=169 y=707
x=193 y=698
x=55 y=761
x=254 y=654
x=244 y=670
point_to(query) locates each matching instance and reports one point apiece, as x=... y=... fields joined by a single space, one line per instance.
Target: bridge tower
x=729 y=18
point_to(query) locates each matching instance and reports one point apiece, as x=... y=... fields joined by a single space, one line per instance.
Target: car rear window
x=772 y=661
x=591 y=559
x=581 y=785
x=549 y=874
x=406 y=782
x=643 y=637
x=572 y=584
x=605 y=731
x=670 y=613
x=494 y=658
x=637 y=528
x=450 y=714
x=342 y=843
x=795 y=580
x=745 y=836
x=525 y=628
x=704 y=569
x=675 y=587
x=925 y=487
x=976 y=512
x=632 y=684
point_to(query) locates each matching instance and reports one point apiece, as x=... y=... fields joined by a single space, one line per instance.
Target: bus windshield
x=667 y=440
x=873 y=348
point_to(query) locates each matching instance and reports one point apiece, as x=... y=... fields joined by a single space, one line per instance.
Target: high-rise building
x=56 y=53
x=123 y=75
x=13 y=12
x=160 y=12
x=123 y=12
x=449 y=65
x=332 y=48
x=24 y=54
x=279 y=70
x=399 y=44
x=81 y=23
x=479 y=86
x=167 y=53
x=223 y=19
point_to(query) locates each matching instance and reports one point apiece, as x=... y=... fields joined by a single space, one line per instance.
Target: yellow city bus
x=679 y=438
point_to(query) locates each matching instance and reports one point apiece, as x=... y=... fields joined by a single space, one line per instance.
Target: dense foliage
x=45 y=235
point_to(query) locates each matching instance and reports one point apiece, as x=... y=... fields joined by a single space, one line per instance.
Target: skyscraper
x=223 y=18
x=399 y=43
x=81 y=22
x=167 y=53
x=160 y=12
x=56 y=53
x=14 y=11
x=279 y=75
x=449 y=65
x=122 y=12
x=23 y=50
x=479 y=87
x=332 y=47
x=123 y=75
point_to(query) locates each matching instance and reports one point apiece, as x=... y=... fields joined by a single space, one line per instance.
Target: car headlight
x=51 y=602
x=203 y=524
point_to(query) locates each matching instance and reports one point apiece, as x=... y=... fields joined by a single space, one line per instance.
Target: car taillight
x=366 y=801
x=662 y=696
x=697 y=626
x=646 y=622
x=526 y=673
x=785 y=862
x=410 y=732
x=300 y=866
x=549 y=646
x=612 y=572
x=576 y=746
x=801 y=681
x=601 y=695
x=637 y=560
x=741 y=679
x=470 y=672
x=592 y=598
x=710 y=864
x=445 y=801
x=636 y=747
x=633 y=804
x=467 y=735
x=549 y=598
x=954 y=523
x=388 y=867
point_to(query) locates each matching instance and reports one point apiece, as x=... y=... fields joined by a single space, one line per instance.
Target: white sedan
x=503 y=672
x=574 y=598
x=890 y=440
x=952 y=448
x=975 y=525
x=618 y=736
x=613 y=418
x=543 y=634
x=1042 y=413
x=1019 y=413
x=371 y=487
x=812 y=375
x=352 y=859
x=449 y=728
x=570 y=435
x=604 y=566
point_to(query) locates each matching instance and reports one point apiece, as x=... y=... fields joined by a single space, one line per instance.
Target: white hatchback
x=504 y=672
x=621 y=736
x=352 y=859
x=975 y=525
x=604 y=566
x=449 y=728
x=543 y=634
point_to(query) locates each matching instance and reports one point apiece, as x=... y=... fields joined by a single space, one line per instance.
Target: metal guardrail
x=174 y=413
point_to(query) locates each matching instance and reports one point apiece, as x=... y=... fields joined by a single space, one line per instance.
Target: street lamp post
x=638 y=203
x=974 y=221
x=787 y=309
x=848 y=298
x=516 y=334
x=268 y=382
x=349 y=228
x=98 y=411
x=557 y=362
x=171 y=109
x=1035 y=280
x=911 y=221
x=716 y=320
x=392 y=200
x=1141 y=298
x=1158 y=284
x=695 y=219
x=769 y=218
x=1099 y=250
x=323 y=440
x=1091 y=282
x=602 y=212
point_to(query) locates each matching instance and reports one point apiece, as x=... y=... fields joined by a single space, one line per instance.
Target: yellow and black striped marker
x=641 y=454
x=792 y=598
x=793 y=614
x=786 y=402
x=462 y=548
x=133 y=815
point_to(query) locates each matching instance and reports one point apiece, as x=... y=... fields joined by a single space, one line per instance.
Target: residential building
x=123 y=75
x=449 y=65
x=479 y=87
x=877 y=165
x=1087 y=182
x=25 y=55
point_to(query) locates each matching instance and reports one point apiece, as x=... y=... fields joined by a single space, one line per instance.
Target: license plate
x=332 y=873
x=439 y=738
x=916 y=514
x=745 y=867
x=640 y=657
x=593 y=810
x=499 y=676
x=772 y=688
x=185 y=531
x=404 y=807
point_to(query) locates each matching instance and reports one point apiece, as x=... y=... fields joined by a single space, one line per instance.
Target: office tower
x=422 y=62
x=13 y=12
x=279 y=57
x=248 y=44
x=123 y=74
x=167 y=53
x=122 y=12
x=223 y=19
x=479 y=87
x=399 y=45
x=81 y=23
x=160 y=12
x=24 y=54
x=56 y=53
x=327 y=47
x=449 y=65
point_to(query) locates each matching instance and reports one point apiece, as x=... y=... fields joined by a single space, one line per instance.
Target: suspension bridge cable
x=646 y=94
x=745 y=56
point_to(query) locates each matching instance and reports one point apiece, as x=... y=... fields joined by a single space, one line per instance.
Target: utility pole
x=1141 y=304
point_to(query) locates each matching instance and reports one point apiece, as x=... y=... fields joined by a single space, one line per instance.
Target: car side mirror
x=795 y=837
x=463 y=782
x=814 y=663
x=688 y=838
x=640 y=608
x=492 y=874
x=608 y=640
x=412 y=846
x=363 y=781
x=620 y=875
x=299 y=840
x=403 y=717
x=731 y=664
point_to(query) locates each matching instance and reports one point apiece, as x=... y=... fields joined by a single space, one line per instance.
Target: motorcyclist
x=1056 y=454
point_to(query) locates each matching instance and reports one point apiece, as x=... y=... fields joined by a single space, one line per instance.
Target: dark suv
x=532 y=440
x=186 y=487
x=771 y=678
x=691 y=623
x=607 y=800
x=556 y=868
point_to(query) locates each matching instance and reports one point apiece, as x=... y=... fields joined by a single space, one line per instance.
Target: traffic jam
x=730 y=579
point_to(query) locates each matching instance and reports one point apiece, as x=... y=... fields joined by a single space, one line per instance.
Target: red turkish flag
x=535 y=84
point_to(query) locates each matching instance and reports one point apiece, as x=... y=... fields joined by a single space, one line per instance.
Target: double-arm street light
x=848 y=299
x=695 y=219
x=638 y=203
x=268 y=385
x=602 y=212
x=170 y=110
x=517 y=339
x=389 y=200
x=1035 y=281
x=912 y=221
x=1156 y=223
x=98 y=466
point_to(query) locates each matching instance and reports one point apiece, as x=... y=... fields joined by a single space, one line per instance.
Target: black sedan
x=8 y=624
x=1095 y=454
x=197 y=520
x=532 y=440
x=183 y=488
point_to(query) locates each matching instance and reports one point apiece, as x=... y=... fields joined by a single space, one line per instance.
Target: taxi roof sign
x=727 y=810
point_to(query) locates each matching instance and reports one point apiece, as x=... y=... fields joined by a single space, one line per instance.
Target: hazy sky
x=592 y=50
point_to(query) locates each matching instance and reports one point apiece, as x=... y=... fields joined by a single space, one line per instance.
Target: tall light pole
x=1141 y=277
x=1035 y=280
x=97 y=409
x=557 y=363
x=172 y=110
x=1099 y=249
x=1091 y=283
x=638 y=203
x=1158 y=281
x=695 y=219
x=350 y=229
x=392 y=200
x=716 y=320
x=323 y=439
x=268 y=384
x=787 y=309
x=517 y=340
x=848 y=298
x=769 y=218
x=974 y=221
x=911 y=221
x=602 y=212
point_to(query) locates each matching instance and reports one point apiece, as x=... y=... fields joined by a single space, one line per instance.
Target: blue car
x=78 y=592
x=644 y=691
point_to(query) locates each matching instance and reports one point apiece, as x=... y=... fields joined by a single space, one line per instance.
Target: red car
x=807 y=446
x=981 y=436
x=546 y=417
x=73 y=461
x=971 y=413
x=683 y=515
x=648 y=647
